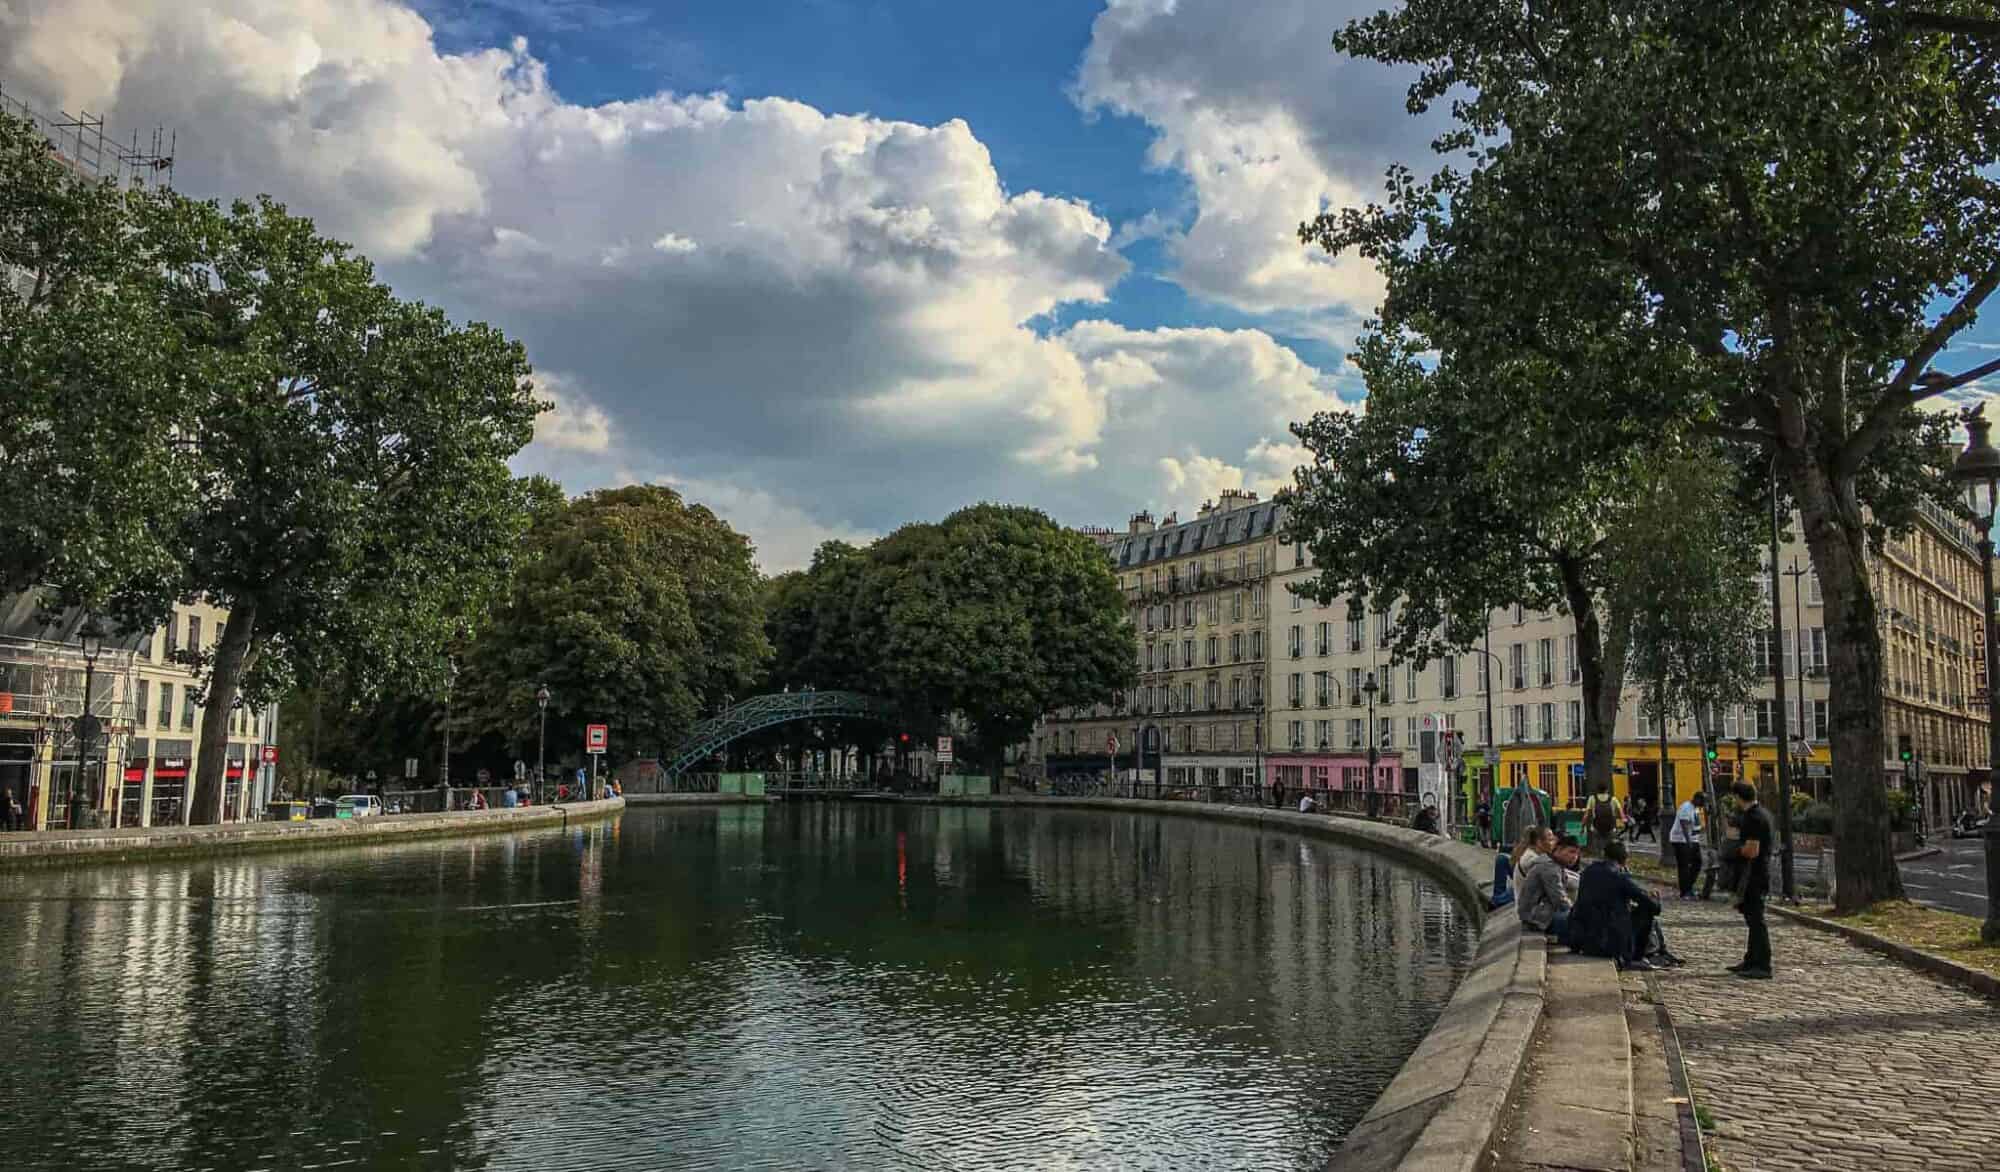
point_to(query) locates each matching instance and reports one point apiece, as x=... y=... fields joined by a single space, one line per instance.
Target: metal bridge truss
x=717 y=732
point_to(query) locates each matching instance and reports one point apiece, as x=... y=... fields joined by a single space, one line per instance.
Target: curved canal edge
x=63 y=847
x=1441 y=1111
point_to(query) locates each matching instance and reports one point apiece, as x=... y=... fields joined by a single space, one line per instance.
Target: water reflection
x=834 y=985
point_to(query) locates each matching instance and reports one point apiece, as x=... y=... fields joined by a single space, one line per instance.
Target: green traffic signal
x=1710 y=752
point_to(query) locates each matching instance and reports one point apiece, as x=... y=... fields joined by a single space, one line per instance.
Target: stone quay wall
x=63 y=847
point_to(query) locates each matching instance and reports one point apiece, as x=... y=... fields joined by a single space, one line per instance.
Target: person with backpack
x=1601 y=819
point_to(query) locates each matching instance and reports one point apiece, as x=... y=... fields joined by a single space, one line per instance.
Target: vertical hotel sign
x=1979 y=681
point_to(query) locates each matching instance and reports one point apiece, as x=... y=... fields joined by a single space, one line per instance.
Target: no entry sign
x=596 y=737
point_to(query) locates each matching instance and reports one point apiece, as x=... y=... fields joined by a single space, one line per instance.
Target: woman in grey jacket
x=1544 y=900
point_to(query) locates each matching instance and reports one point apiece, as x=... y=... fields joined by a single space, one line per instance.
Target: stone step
x=1573 y=1107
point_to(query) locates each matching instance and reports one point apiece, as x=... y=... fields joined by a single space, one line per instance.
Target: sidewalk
x=1847 y=1060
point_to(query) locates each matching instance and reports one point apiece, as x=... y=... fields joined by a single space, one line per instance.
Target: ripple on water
x=825 y=986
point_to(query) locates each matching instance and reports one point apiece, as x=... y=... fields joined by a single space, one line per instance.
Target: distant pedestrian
x=1601 y=817
x=15 y=815
x=1642 y=822
x=1482 y=816
x=1277 y=794
x=1754 y=853
x=1685 y=838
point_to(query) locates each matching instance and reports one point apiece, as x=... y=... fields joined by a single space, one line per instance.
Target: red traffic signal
x=903 y=737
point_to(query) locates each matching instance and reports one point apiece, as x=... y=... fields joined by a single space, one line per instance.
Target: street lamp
x=1374 y=742
x=1978 y=469
x=91 y=636
x=542 y=742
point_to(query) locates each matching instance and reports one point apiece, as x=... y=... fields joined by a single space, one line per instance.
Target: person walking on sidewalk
x=1601 y=818
x=1685 y=838
x=1754 y=853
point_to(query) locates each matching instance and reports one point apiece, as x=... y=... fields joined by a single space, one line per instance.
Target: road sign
x=270 y=754
x=410 y=768
x=1111 y=744
x=1576 y=773
x=944 y=750
x=596 y=737
x=520 y=770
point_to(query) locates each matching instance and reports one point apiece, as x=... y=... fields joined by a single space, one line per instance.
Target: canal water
x=820 y=985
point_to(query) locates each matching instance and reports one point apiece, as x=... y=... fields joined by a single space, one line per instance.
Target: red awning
x=235 y=771
x=135 y=773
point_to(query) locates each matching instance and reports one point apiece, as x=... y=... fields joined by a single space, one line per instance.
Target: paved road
x=1846 y=1061
x=1954 y=880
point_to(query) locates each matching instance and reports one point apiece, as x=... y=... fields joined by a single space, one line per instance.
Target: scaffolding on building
x=80 y=141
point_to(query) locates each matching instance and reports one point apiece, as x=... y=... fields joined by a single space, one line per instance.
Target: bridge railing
x=654 y=781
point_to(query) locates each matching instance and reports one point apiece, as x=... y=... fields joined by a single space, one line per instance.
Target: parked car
x=357 y=806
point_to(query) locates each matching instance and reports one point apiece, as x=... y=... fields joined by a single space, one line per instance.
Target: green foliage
x=1684 y=563
x=352 y=505
x=93 y=484
x=635 y=609
x=995 y=613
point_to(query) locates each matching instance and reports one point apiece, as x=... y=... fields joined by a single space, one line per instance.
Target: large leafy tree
x=353 y=506
x=93 y=481
x=998 y=614
x=636 y=609
x=1439 y=503
x=1685 y=586
x=1797 y=200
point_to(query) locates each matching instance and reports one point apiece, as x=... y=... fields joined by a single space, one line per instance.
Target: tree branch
x=1912 y=384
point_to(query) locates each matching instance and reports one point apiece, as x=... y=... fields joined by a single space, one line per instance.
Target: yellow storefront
x=1557 y=769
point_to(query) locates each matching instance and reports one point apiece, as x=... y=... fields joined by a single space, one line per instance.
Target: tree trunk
x=232 y=660
x=1864 y=857
x=1602 y=665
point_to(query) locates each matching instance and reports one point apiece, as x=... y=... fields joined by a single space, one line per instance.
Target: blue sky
x=826 y=266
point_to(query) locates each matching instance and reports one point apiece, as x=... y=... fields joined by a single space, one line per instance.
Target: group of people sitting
x=1599 y=910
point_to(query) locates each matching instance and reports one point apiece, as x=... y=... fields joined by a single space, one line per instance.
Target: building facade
x=1198 y=592
x=146 y=690
x=1309 y=721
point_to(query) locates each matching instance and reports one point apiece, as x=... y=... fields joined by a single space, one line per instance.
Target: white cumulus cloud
x=825 y=321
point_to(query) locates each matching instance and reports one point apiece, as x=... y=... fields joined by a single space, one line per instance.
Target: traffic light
x=1903 y=747
x=1709 y=752
x=903 y=737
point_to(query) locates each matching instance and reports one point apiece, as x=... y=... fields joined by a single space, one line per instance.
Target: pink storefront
x=1340 y=772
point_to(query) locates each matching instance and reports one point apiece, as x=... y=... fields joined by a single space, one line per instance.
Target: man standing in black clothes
x=1754 y=853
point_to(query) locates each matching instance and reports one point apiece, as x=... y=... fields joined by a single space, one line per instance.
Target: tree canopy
x=353 y=506
x=1795 y=204
x=995 y=614
x=92 y=479
x=635 y=609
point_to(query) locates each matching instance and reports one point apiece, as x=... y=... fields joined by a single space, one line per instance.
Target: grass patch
x=1704 y=1118
x=1948 y=934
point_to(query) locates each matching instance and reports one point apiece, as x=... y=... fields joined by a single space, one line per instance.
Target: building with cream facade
x=1198 y=592
x=146 y=691
x=1312 y=727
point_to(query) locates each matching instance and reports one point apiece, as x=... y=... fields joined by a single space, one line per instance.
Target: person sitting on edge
x=1503 y=887
x=1613 y=916
x=1306 y=804
x=1544 y=900
x=1535 y=845
x=1427 y=818
x=509 y=798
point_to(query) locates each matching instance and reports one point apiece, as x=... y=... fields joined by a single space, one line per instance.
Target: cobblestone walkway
x=1847 y=1060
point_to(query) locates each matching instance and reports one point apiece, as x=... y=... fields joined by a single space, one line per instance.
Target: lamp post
x=1374 y=742
x=1978 y=469
x=541 y=741
x=91 y=636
